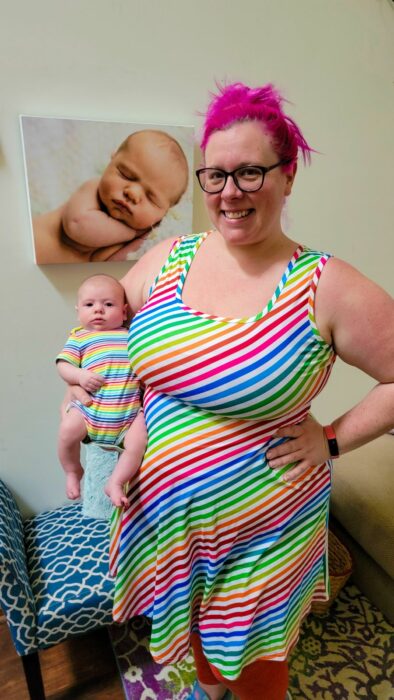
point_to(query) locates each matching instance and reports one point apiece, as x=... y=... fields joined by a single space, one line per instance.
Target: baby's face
x=141 y=182
x=101 y=305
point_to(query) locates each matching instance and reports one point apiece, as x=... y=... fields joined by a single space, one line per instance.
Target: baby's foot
x=114 y=491
x=73 y=486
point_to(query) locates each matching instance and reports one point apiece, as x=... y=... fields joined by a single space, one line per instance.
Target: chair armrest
x=16 y=595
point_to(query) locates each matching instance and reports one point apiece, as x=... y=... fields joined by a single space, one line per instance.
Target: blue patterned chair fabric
x=54 y=579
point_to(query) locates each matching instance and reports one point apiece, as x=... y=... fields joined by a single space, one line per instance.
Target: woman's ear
x=290 y=176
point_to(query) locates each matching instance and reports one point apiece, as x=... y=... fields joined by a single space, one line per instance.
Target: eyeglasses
x=248 y=178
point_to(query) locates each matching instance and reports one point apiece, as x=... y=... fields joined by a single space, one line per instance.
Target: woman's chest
x=228 y=291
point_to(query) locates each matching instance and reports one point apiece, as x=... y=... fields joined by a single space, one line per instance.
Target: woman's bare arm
x=139 y=279
x=357 y=316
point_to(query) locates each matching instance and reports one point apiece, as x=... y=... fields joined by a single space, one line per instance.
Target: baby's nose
x=133 y=191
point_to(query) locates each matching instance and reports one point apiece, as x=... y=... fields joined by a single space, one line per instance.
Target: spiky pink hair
x=238 y=102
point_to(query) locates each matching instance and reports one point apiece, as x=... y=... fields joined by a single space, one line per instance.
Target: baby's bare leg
x=72 y=431
x=129 y=461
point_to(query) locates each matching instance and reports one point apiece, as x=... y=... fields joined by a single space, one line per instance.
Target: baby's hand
x=90 y=381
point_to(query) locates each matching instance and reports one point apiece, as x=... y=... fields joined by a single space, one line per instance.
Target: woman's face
x=246 y=217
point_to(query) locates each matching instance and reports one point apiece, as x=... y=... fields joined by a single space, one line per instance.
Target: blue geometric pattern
x=54 y=574
x=16 y=596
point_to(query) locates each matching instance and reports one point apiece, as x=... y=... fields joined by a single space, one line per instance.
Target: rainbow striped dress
x=117 y=402
x=214 y=540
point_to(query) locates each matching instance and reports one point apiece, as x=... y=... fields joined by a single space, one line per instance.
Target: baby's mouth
x=236 y=214
x=122 y=205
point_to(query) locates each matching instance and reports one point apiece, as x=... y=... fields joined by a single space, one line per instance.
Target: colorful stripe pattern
x=116 y=403
x=214 y=540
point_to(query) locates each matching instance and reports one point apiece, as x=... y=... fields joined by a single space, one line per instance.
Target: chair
x=54 y=580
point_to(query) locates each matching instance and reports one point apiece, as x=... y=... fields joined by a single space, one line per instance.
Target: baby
x=146 y=176
x=95 y=357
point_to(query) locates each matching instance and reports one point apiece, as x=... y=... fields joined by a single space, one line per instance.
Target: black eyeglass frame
x=233 y=173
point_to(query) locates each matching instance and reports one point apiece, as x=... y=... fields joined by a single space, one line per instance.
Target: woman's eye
x=249 y=173
x=215 y=175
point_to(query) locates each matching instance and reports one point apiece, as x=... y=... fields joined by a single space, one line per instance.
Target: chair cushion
x=363 y=495
x=67 y=559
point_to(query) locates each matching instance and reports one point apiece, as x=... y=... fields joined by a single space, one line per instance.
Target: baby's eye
x=108 y=303
x=89 y=303
x=125 y=175
x=152 y=198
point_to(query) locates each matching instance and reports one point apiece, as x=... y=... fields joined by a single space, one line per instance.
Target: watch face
x=333 y=447
x=331 y=440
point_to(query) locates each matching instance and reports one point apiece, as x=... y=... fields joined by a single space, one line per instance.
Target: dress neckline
x=230 y=319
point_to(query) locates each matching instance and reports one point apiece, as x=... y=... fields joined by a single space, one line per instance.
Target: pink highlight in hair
x=238 y=102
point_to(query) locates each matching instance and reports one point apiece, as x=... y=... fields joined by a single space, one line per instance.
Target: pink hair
x=238 y=102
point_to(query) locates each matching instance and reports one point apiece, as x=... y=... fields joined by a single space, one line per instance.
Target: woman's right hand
x=74 y=392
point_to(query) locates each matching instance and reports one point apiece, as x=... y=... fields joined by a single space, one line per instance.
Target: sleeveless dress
x=214 y=540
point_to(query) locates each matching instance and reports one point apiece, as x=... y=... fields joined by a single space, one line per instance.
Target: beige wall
x=155 y=61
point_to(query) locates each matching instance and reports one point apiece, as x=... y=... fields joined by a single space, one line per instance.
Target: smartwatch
x=331 y=440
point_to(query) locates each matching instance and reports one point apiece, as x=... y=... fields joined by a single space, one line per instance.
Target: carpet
x=347 y=654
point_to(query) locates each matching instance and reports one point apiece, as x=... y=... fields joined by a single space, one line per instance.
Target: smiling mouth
x=237 y=214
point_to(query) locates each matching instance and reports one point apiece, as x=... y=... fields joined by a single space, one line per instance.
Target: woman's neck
x=256 y=256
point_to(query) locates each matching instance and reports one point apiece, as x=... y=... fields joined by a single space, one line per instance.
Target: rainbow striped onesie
x=214 y=540
x=116 y=404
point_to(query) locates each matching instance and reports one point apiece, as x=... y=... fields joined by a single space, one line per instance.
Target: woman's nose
x=230 y=189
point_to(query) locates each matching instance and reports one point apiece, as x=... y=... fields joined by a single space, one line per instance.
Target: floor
x=78 y=669
x=347 y=654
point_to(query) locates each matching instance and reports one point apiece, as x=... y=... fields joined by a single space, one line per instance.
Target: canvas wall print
x=105 y=191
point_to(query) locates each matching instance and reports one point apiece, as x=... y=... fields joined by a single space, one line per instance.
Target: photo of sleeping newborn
x=103 y=191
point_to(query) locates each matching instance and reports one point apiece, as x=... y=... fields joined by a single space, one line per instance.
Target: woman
x=236 y=331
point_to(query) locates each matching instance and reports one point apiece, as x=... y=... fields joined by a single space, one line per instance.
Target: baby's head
x=101 y=304
x=146 y=176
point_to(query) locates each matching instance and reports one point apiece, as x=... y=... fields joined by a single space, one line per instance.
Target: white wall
x=155 y=61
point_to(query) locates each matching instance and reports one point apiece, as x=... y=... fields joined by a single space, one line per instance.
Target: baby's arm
x=90 y=381
x=129 y=461
x=85 y=223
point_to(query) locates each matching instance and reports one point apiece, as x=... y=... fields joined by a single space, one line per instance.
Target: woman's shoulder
x=142 y=275
x=308 y=253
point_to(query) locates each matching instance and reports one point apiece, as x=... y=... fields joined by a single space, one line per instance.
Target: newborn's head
x=146 y=176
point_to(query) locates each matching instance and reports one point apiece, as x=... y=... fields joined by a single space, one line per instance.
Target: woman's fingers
x=305 y=444
x=296 y=472
x=285 y=458
x=79 y=394
x=291 y=431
